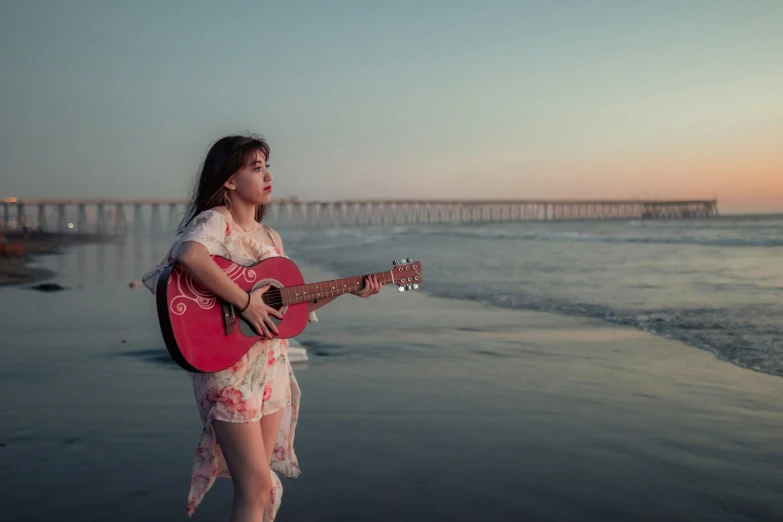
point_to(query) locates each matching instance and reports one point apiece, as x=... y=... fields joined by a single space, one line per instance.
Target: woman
x=248 y=411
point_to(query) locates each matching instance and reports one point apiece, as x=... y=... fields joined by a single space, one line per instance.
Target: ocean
x=714 y=284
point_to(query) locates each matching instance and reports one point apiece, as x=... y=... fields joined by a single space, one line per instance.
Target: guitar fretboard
x=299 y=294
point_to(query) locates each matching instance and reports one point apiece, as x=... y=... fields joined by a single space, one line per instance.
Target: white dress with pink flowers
x=260 y=383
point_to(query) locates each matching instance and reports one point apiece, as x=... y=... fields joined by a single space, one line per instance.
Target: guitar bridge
x=229 y=317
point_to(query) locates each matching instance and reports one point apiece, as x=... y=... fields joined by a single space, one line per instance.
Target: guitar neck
x=299 y=294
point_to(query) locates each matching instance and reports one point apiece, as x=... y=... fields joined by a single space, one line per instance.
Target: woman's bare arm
x=196 y=261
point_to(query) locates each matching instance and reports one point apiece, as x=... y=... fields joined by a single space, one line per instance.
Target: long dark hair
x=225 y=158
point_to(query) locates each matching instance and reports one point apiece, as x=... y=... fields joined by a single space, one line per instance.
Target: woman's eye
x=268 y=165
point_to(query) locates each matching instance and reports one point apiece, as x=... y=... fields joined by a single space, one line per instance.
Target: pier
x=151 y=216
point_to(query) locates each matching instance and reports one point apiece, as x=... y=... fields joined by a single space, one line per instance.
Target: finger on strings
x=275 y=313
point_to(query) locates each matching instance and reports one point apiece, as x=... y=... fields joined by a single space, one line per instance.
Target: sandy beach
x=414 y=408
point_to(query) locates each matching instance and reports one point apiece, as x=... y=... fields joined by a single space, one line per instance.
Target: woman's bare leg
x=248 y=462
x=270 y=425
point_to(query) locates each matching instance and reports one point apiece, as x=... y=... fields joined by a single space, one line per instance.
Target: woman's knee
x=256 y=488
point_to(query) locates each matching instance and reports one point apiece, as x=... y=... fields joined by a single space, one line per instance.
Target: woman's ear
x=230 y=184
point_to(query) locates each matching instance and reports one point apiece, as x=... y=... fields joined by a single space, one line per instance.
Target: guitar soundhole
x=272 y=298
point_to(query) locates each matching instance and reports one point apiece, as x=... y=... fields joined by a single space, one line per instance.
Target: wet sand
x=23 y=270
x=414 y=408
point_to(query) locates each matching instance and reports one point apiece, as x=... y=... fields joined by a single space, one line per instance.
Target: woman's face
x=253 y=182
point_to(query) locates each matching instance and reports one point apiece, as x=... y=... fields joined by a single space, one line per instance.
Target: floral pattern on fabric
x=260 y=383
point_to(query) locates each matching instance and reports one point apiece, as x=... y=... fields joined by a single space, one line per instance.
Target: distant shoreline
x=16 y=270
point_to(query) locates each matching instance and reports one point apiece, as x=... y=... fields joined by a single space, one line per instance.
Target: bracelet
x=248 y=303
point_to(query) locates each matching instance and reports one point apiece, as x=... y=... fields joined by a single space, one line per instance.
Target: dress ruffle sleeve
x=209 y=228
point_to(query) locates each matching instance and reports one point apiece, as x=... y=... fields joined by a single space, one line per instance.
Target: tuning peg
x=415 y=286
x=409 y=260
x=394 y=262
x=401 y=289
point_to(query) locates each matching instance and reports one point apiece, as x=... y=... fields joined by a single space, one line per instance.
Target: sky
x=388 y=100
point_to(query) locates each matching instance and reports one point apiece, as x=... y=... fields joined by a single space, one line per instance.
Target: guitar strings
x=277 y=298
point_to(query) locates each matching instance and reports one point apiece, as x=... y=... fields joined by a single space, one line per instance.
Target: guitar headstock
x=406 y=274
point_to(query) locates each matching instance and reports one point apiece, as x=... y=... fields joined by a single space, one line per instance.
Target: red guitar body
x=195 y=322
x=203 y=333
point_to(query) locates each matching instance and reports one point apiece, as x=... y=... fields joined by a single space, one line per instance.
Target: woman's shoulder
x=211 y=225
x=214 y=215
x=274 y=234
x=222 y=210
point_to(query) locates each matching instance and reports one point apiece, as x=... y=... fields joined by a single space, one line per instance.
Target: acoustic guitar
x=203 y=333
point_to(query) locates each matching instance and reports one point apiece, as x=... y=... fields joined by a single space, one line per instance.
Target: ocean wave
x=574 y=236
x=717 y=233
x=733 y=335
x=360 y=236
x=501 y=273
x=743 y=335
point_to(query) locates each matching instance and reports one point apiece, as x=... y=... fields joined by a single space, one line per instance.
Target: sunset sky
x=439 y=99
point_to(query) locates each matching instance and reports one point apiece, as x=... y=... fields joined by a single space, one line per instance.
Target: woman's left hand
x=371 y=286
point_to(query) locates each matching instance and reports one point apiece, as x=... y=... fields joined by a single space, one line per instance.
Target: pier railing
x=118 y=216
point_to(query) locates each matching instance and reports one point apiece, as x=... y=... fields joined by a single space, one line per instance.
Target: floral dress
x=260 y=383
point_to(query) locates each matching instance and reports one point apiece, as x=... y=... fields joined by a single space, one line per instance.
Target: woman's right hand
x=259 y=315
